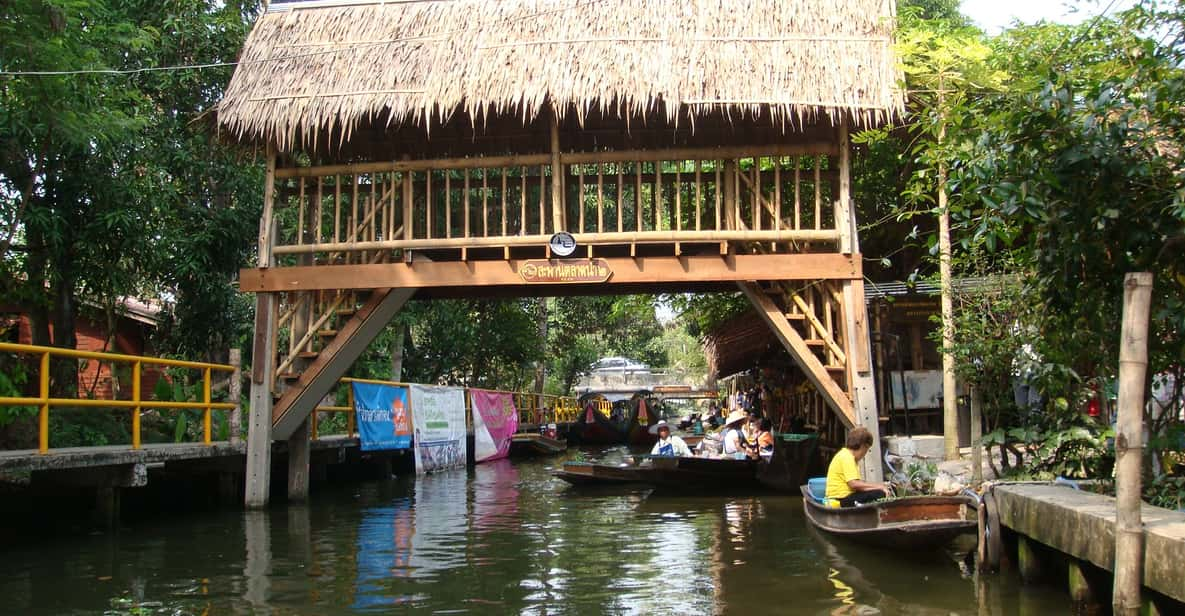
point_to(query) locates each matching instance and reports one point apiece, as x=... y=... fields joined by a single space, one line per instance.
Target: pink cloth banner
x=495 y=420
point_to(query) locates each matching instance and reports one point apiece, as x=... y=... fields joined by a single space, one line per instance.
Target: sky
x=995 y=15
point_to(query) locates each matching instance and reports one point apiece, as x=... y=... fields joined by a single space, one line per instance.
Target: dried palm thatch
x=325 y=67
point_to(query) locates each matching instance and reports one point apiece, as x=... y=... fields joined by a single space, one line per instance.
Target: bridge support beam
x=259 y=424
x=298 y=463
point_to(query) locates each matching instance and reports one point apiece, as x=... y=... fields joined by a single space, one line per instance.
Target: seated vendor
x=668 y=444
x=765 y=437
x=843 y=474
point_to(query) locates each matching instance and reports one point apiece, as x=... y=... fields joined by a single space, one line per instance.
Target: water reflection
x=503 y=537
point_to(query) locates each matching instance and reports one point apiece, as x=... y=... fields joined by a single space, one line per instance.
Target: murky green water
x=498 y=539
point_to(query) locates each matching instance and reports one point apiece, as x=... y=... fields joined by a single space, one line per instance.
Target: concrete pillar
x=1082 y=590
x=258 y=563
x=1028 y=559
x=107 y=507
x=259 y=425
x=298 y=463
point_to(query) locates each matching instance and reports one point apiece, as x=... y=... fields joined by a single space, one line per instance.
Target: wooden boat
x=669 y=474
x=587 y=474
x=787 y=468
x=593 y=426
x=909 y=523
x=532 y=444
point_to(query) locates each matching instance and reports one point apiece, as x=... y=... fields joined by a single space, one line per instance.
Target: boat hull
x=786 y=470
x=910 y=523
x=667 y=474
x=529 y=444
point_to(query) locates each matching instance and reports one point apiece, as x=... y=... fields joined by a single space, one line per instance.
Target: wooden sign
x=565 y=271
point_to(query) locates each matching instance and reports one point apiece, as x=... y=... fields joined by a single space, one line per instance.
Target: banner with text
x=438 y=414
x=382 y=416
x=495 y=420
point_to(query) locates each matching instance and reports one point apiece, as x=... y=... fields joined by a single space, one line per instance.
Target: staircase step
x=345 y=312
x=289 y=376
x=815 y=342
x=795 y=316
x=836 y=369
x=308 y=354
x=327 y=333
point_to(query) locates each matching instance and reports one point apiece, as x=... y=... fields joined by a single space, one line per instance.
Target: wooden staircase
x=327 y=332
x=808 y=319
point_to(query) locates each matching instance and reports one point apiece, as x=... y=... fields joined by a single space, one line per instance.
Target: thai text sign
x=439 y=419
x=382 y=416
x=565 y=271
x=495 y=420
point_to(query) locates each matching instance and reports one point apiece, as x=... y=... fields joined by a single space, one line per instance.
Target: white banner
x=438 y=414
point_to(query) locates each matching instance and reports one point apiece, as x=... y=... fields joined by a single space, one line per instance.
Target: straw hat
x=735 y=416
x=662 y=423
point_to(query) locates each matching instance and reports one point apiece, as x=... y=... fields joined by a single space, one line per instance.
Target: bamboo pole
x=679 y=196
x=542 y=204
x=757 y=194
x=699 y=193
x=337 y=208
x=557 y=176
x=485 y=202
x=580 y=196
x=620 y=194
x=818 y=194
x=716 y=186
x=502 y=172
x=448 y=205
x=976 y=438
x=797 y=192
x=428 y=204
x=656 y=194
x=1129 y=446
x=522 y=198
x=320 y=197
x=600 y=199
x=465 y=203
x=638 y=196
x=300 y=214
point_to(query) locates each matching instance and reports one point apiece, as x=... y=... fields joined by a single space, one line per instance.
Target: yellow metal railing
x=532 y=408
x=136 y=404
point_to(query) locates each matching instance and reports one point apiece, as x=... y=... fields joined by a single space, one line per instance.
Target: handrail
x=44 y=401
x=564 y=408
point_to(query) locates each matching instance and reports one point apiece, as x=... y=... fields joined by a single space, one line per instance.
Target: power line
x=346 y=48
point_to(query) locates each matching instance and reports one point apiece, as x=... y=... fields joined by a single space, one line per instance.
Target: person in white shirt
x=668 y=444
x=732 y=438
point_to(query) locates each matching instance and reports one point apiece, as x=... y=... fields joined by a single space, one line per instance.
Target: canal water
x=501 y=538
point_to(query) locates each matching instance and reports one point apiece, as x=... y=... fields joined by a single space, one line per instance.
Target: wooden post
x=236 y=396
x=1129 y=446
x=976 y=437
x=263 y=363
x=557 y=177
x=950 y=397
x=298 y=463
x=855 y=315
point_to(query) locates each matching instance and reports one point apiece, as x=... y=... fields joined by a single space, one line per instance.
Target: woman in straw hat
x=733 y=439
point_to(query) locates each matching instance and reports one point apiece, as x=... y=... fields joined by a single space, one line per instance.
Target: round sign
x=562 y=244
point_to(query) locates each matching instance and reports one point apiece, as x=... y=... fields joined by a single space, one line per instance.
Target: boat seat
x=817 y=486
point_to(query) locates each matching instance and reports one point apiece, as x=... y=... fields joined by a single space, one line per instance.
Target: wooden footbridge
x=513 y=149
x=434 y=149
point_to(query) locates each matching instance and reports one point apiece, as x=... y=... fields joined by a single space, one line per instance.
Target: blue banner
x=383 y=416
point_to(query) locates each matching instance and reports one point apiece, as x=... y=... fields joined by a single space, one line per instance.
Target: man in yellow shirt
x=843 y=474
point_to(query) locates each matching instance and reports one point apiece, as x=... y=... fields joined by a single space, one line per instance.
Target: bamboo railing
x=356 y=213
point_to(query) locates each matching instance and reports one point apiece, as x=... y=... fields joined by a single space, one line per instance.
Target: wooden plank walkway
x=66 y=458
x=1082 y=524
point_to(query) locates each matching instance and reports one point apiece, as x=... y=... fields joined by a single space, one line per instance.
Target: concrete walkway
x=1082 y=524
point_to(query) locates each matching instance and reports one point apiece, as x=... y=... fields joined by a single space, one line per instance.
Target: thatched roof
x=324 y=68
